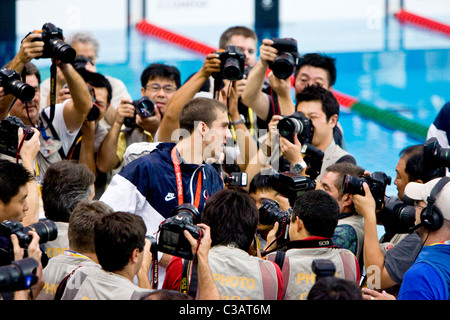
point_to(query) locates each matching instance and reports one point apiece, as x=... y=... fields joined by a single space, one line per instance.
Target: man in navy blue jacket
x=174 y=173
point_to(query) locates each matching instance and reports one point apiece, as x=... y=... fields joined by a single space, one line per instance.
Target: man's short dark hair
x=319 y=212
x=259 y=183
x=414 y=165
x=322 y=61
x=200 y=109
x=65 y=184
x=82 y=222
x=233 y=218
x=98 y=80
x=159 y=70
x=332 y=288
x=330 y=105
x=235 y=31
x=116 y=236
x=13 y=176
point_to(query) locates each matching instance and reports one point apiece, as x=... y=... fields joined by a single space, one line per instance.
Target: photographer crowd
x=223 y=187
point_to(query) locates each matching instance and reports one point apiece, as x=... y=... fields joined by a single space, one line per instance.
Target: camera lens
x=231 y=69
x=289 y=126
x=18 y=275
x=145 y=107
x=283 y=66
x=353 y=185
x=22 y=90
x=46 y=229
x=62 y=51
x=269 y=212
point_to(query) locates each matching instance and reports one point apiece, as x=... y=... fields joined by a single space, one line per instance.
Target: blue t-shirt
x=429 y=277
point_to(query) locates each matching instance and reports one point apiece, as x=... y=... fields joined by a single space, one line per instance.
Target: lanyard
x=176 y=166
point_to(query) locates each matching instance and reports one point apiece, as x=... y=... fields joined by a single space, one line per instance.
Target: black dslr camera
x=232 y=66
x=291 y=185
x=287 y=60
x=171 y=237
x=269 y=213
x=9 y=141
x=396 y=216
x=323 y=268
x=19 y=275
x=145 y=107
x=297 y=123
x=54 y=46
x=46 y=229
x=11 y=82
x=434 y=156
x=377 y=182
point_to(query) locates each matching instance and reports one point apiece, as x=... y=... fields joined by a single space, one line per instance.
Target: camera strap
x=189 y=277
x=176 y=166
x=52 y=91
x=305 y=244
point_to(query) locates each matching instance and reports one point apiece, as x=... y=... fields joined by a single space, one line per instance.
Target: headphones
x=431 y=217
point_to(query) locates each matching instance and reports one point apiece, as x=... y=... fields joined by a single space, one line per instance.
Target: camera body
x=9 y=141
x=46 y=229
x=434 y=156
x=232 y=66
x=269 y=213
x=171 y=238
x=287 y=60
x=377 y=182
x=11 y=82
x=299 y=124
x=291 y=185
x=145 y=107
x=19 y=275
x=54 y=46
x=396 y=216
x=236 y=179
x=323 y=268
x=314 y=158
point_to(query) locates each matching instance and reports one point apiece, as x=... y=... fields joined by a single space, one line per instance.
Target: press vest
x=356 y=221
x=240 y=276
x=92 y=283
x=58 y=268
x=298 y=276
x=61 y=243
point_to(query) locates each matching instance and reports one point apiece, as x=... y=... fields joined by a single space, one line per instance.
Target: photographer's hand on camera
x=210 y=65
x=207 y=289
x=272 y=237
x=143 y=273
x=365 y=205
x=31 y=48
x=267 y=53
x=29 y=149
x=291 y=151
x=33 y=251
x=150 y=124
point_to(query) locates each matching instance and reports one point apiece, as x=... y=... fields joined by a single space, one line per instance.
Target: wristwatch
x=240 y=121
x=299 y=167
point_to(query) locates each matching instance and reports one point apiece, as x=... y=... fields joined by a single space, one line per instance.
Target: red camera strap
x=176 y=166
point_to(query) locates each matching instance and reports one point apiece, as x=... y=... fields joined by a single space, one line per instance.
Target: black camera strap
x=76 y=141
x=189 y=277
x=305 y=244
x=52 y=91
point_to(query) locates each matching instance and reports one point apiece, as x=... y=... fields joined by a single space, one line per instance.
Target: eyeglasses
x=154 y=87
